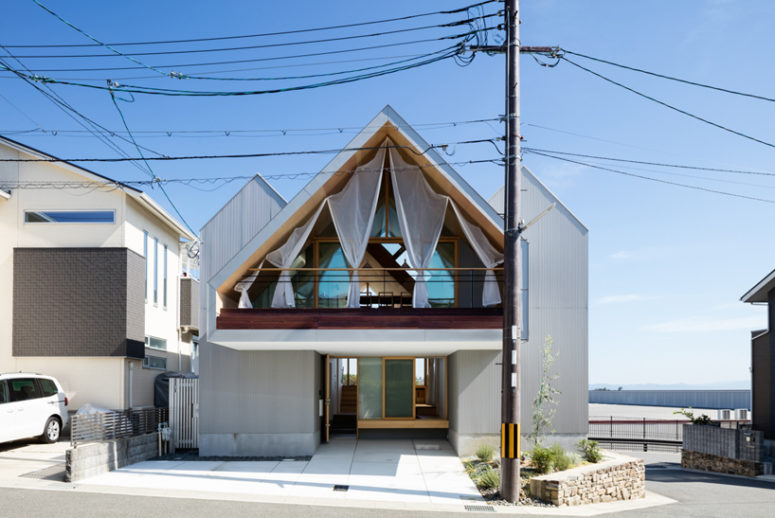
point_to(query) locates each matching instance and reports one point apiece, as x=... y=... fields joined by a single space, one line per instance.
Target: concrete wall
x=92 y=459
x=77 y=302
x=474 y=400
x=720 y=399
x=258 y=403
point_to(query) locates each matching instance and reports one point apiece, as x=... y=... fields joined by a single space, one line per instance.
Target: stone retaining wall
x=718 y=464
x=618 y=477
x=96 y=458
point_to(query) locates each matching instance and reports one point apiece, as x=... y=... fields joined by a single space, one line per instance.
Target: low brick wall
x=96 y=458
x=618 y=477
x=718 y=464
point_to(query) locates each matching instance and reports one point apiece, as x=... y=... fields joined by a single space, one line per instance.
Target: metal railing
x=118 y=424
x=644 y=434
x=384 y=287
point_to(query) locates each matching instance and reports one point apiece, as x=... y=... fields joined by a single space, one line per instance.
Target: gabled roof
x=759 y=292
x=386 y=124
x=142 y=198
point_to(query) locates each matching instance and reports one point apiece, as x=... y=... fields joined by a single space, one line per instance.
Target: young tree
x=545 y=403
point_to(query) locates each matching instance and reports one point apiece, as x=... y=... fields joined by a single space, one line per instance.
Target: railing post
x=612 y=427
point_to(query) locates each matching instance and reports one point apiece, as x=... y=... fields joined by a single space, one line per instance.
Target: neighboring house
x=294 y=349
x=763 y=359
x=90 y=284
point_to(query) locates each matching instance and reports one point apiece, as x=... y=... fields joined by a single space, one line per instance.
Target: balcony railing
x=450 y=287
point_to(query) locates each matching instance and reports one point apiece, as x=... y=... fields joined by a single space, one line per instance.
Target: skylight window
x=69 y=216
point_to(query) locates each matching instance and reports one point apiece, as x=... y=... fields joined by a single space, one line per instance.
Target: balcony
x=385 y=317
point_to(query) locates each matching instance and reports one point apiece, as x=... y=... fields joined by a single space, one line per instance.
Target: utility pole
x=512 y=255
x=512 y=270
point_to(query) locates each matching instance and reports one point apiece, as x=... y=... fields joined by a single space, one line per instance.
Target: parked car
x=31 y=405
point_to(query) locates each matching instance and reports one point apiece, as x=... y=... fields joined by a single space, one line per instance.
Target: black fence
x=645 y=434
x=117 y=424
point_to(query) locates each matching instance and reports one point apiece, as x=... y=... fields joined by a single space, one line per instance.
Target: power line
x=649 y=178
x=666 y=105
x=273 y=58
x=249 y=155
x=281 y=131
x=244 y=69
x=95 y=39
x=199 y=93
x=671 y=78
x=279 y=33
x=262 y=46
x=644 y=162
x=114 y=184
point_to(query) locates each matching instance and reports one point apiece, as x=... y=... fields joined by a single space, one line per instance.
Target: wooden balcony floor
x=361 y=318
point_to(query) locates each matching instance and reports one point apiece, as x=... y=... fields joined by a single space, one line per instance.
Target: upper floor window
x=145 y=254
x=156 y=270
x=69 y=216
x=164 y=289
x=156 y=343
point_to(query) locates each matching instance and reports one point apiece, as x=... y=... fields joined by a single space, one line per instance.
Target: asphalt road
x=707 y=495
x=17 y=503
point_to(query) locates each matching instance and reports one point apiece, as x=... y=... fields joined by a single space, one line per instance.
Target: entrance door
x=399 y=388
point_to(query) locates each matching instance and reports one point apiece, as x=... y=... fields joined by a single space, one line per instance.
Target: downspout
x=177 y=305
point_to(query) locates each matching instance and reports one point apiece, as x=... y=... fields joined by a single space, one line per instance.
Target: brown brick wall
x=78 y=302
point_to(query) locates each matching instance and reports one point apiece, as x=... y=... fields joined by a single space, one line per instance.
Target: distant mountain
x=722 y=385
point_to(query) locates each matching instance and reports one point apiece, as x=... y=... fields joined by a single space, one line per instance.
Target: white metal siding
x=236 y=223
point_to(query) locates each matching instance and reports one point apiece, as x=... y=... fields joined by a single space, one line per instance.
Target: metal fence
x=645 y=434
x=117 y=424
x=184 y=412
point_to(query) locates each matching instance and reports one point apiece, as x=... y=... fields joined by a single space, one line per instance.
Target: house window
x=156 y=343
x=156 y=270
x=69 y=216
x=155 y=362
x=145 y=254
x=165 y=277
x=525 y=250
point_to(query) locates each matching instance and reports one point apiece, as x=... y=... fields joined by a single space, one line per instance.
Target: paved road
x=706 y=495
x=15 y=503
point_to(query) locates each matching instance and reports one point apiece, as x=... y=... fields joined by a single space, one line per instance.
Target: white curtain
x=490 y=257
x=420 y=216
x=352 y=210
x=284 y=256
x=244 y=285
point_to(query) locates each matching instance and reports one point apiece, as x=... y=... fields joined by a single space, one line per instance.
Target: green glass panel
x=441 y=285
x=399 y=388
x=333 y=286
x=370 y=388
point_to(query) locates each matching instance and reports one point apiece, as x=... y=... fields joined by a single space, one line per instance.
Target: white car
x=31 y=405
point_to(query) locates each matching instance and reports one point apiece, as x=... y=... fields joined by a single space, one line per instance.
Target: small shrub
x=702 y=419
x=560 y=458
x=542 y=459
x=485 y=452
x=490 y=479
x=590 y=451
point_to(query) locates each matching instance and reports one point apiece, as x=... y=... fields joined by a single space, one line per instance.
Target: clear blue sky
x=667 y=264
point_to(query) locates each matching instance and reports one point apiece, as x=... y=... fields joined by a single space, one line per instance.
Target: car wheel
x=52 y=430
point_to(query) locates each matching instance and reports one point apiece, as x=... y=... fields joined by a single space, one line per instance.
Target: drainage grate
x=340 y=487
x=478 y=508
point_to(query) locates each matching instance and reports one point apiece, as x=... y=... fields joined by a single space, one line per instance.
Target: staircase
x=346 y=421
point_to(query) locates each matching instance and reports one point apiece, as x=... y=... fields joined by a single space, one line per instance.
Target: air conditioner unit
x=741 y=414
x=725 y=415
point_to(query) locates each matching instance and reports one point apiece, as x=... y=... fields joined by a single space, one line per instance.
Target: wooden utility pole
x=512 y=314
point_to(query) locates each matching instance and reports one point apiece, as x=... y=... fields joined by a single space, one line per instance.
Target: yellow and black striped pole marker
x=510 y=440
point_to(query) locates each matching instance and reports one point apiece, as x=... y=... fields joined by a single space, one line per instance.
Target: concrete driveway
x=403 y=471
x=22 y=461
